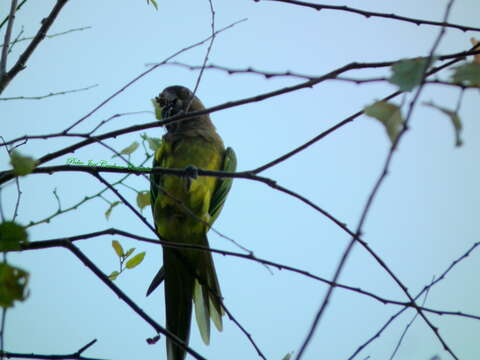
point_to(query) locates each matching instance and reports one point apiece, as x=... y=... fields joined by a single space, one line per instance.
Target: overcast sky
x=423 y=218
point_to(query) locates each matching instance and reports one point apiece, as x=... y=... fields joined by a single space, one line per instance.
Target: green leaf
x=288 y=356
x=136 y=260
x=158 y=109
x=129 y=149
x=467 y=74
x=389 y=115
x=407 y=74
x=154 y=3
x=13 y=283
x=129 y=252
x=113 y=276
x=476 y=43
x=109 y=210
x=454 y=118
x=12 y=236
x=22 y=165
x=143 y=199
x=153 y=143
x=118 y=248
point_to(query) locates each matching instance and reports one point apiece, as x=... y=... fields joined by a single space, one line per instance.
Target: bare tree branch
x=51 y=36
x=40 y=97
x=52 y=243
x=147 y=72
x=73 y=356
x=367 y=207
x=22 y=60
x=369 y=14
x=8 y=34
x=4 y=21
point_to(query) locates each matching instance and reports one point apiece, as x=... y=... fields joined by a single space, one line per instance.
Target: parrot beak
x=169 y=106
x=173 y=101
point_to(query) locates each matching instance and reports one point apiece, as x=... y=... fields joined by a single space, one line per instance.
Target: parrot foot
x=191 y=173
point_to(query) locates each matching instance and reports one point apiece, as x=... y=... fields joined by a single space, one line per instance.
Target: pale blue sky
x=423 y=218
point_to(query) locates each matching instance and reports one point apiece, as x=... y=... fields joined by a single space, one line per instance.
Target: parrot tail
x=179 y=283
x=207 y=296
x=184 y=282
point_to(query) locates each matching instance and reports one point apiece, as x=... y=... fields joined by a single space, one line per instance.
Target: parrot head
x=175 y=100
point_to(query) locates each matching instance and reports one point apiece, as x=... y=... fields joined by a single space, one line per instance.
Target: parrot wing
x=216 y=204
x=155 y=180
x=207 y=296
x=223 y=185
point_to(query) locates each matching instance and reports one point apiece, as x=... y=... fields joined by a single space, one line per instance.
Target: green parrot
x=183 y=209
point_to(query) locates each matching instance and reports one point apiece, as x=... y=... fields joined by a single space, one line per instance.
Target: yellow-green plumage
x=183 y=209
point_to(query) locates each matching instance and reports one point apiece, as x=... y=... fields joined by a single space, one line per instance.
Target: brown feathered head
x=175 y=100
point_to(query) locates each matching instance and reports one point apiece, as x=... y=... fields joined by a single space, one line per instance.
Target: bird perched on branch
x=184 y=208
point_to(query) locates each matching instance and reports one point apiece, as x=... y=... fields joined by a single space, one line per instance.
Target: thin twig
x=77 y=355
x=369 y=14
x=52 y=35
x=23 y=58
x=40 y=97
x=245 y=332
x=456 y=57
x=8 y=34
x=4 y=21
x=159 y=329
x=81 y=202
x=10 y=49
x=426 y=288
x=125 y=202
x=367 y=207
x=205 y=59
x=52 y=243
x=410 y=323
x=2 y=331
x=145 y=73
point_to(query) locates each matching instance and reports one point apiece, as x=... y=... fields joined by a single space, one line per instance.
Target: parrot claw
x=191 y=172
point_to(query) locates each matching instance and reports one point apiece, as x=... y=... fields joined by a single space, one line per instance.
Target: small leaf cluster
x=22 y=165
x=143 y=196
x=13 y=280
x=407 y=75
x=126 y=261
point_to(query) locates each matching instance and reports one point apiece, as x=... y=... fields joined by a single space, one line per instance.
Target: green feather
x=223 y=185
x=202 y=313
x=180 y=207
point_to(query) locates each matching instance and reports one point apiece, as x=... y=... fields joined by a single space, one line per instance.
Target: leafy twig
x=366 y=209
